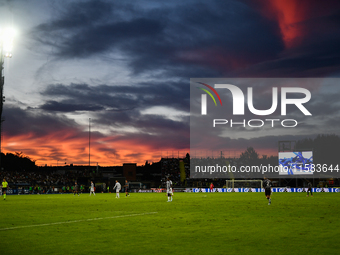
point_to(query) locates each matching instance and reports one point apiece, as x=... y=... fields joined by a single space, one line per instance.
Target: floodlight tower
x=6 y=44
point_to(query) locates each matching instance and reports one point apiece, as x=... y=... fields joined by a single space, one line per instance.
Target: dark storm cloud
x=94 y=27
x=198 y=38
x=66 y=106
x=80 y=15
x=116 y=98
x=30 y=121
x=104 y=37
x=215 y=38
x=217 y=35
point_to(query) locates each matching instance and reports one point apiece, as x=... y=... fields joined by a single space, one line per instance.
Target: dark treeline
x=251 y=157
x=17 y=162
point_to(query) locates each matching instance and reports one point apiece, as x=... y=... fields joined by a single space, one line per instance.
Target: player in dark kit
x=309 y=189
x=267 y=184
x=126 y=186
x=76 y=188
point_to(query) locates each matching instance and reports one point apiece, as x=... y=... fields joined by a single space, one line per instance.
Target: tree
x=17 y=161
x=249 y=157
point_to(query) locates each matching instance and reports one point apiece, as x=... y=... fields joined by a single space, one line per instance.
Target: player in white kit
x=92 y=188
x=169 y=189
x=117 y=187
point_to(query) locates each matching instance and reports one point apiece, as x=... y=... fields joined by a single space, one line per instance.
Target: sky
x=118 y=72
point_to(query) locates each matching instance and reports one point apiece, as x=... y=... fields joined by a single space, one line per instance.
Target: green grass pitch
x=194 y=223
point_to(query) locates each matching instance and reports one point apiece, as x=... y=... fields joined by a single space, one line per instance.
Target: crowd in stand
x=39 y=178
x=170 y=168
x=41 y=182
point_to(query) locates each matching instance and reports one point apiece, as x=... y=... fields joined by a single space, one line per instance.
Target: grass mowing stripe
x=75 y=221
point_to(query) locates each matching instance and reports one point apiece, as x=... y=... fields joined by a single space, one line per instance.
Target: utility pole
x=89 y=143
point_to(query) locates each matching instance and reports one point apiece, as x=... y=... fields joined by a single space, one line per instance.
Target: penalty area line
x=76 y=221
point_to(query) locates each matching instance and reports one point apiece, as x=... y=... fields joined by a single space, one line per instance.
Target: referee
x=4 y=188
x=267 y=184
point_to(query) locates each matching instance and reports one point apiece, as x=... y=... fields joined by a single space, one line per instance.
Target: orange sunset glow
x=59 y=147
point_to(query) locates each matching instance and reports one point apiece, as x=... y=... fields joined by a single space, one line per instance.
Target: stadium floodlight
x=6 y=41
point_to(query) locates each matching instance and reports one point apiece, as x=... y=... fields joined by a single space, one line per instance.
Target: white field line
x=75 y=221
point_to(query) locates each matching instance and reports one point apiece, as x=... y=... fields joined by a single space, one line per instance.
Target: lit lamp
x=6 y=45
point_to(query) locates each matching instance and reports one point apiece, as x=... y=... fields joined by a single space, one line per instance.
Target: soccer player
x=309 y=189
x=126 y=186
x=211 y=187
x=75 y=190
x=4 y=188
x=92 y=188
x=169 y=189
x=267 y=184
x=117 y=187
